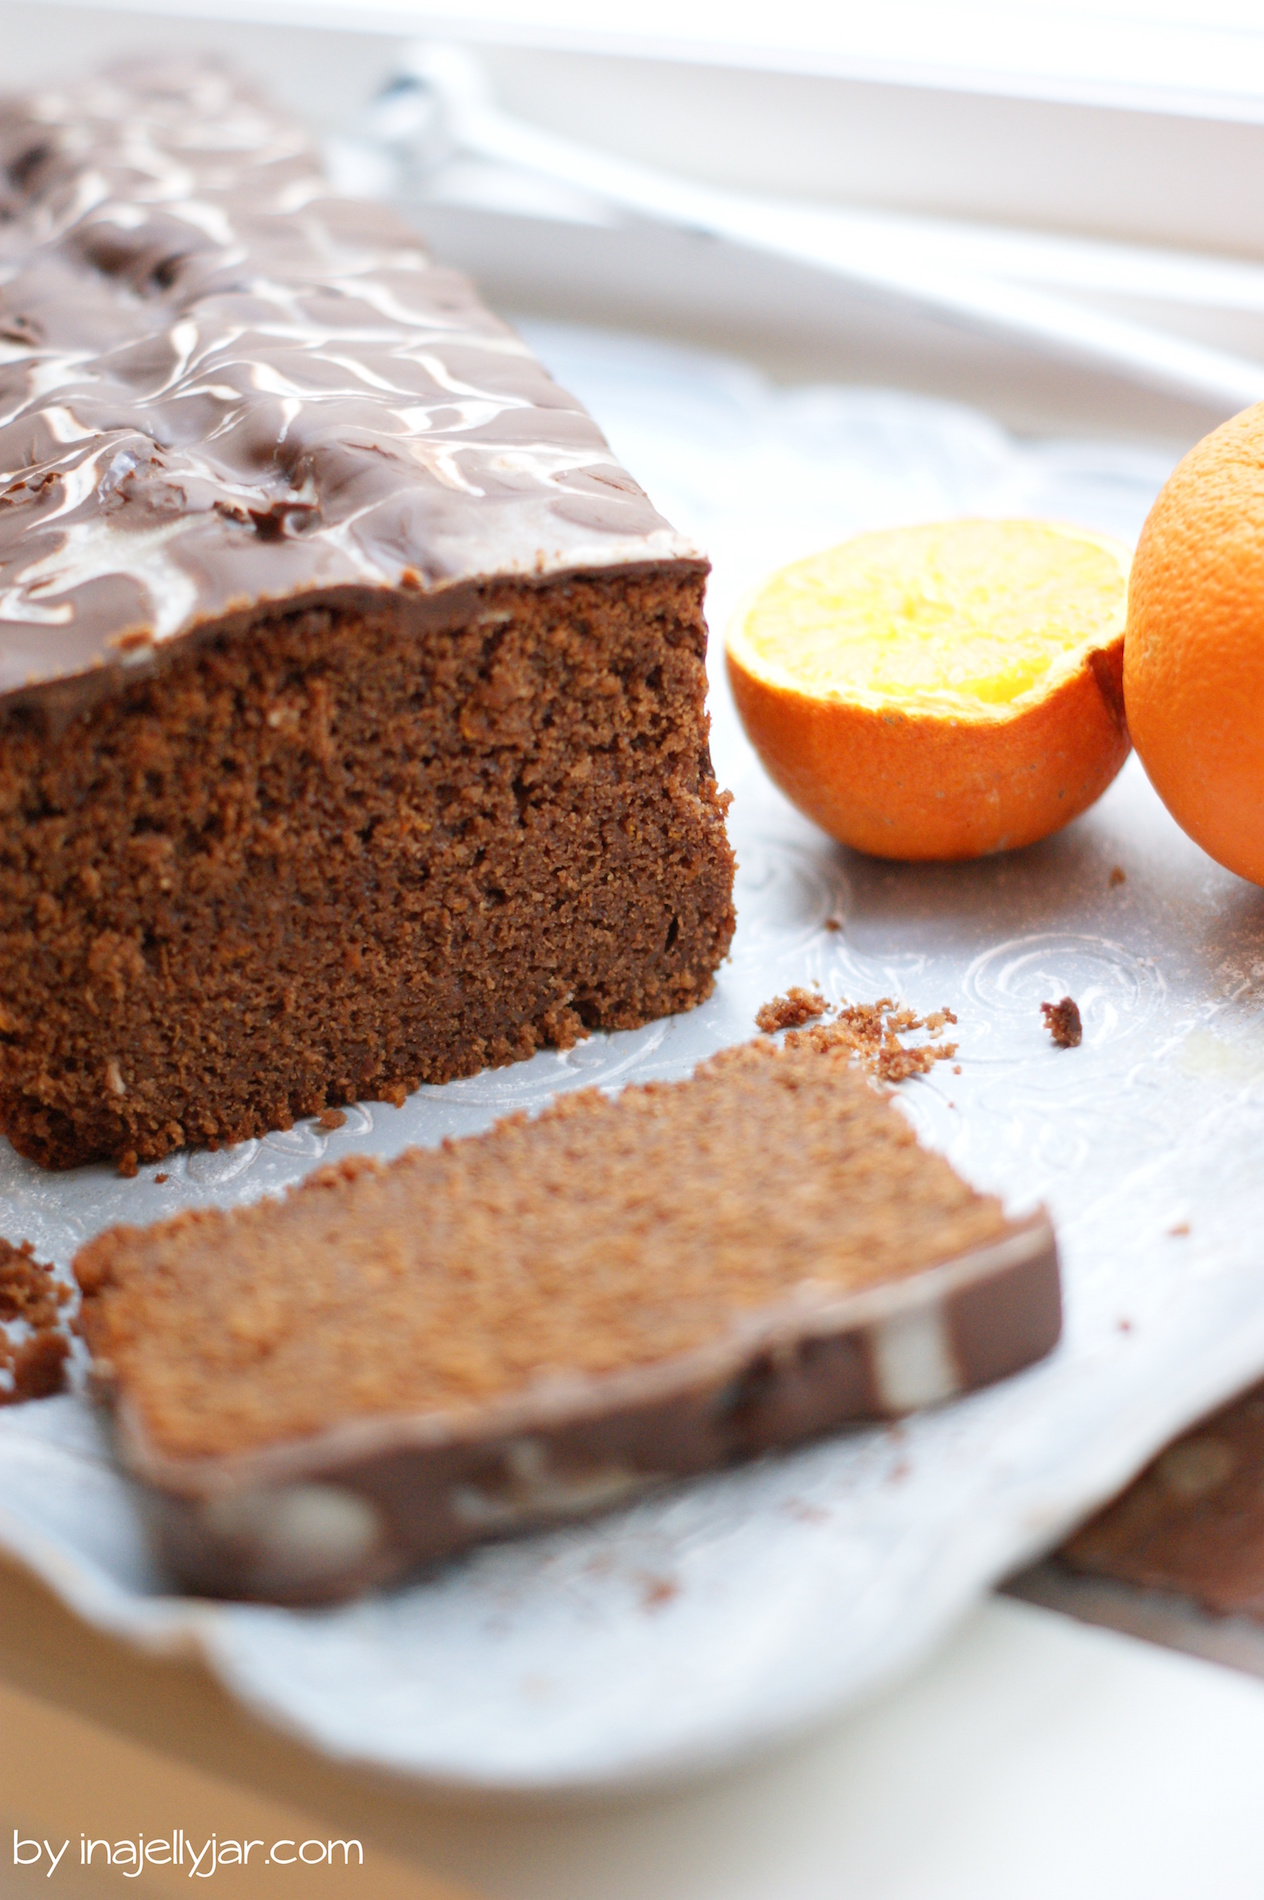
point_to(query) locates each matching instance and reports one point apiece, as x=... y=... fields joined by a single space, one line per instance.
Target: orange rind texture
x=1194 y=651
x=961 y=694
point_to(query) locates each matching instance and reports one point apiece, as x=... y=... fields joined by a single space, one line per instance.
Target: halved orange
x=941 y=691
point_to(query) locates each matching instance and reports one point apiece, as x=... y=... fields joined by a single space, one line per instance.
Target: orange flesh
x=957 y=618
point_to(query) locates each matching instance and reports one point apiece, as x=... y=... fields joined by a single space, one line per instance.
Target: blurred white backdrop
x=1105 y=155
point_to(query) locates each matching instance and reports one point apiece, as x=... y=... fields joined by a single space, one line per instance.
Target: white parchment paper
x=719 y=1616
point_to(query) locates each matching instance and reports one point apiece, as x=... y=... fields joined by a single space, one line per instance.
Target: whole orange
x=941 y=691
x=1194 y=648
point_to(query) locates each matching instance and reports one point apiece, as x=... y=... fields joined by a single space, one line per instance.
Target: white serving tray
x=723 y=1614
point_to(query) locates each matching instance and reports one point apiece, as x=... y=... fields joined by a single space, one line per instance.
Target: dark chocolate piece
x=1193 y=1522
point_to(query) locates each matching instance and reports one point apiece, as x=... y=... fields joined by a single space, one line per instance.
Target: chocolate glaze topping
x=221 y=386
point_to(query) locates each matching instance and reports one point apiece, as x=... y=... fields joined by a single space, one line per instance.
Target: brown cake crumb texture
x=1062 y=1020
x=869 y=1032
x=31 y=1303
x=334 y=853
x=1193 y=1523
x=790 y=1011
x=605 y=1235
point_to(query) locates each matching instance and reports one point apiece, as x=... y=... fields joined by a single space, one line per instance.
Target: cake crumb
x=934 y=1023
x=871 y=1033
x=807 y=1513
x=1062 y=1020
x=332 y=1118
x=657 y=1592
x=161 y=1179
x=130 y=639
x=129 y=1164
x=791 y=1011
x=832 y=923
x=1179 y=1230
x=31 y=1296
x=1117 y=876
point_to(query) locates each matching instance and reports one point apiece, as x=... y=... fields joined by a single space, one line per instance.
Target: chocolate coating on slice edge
x=370 y=1502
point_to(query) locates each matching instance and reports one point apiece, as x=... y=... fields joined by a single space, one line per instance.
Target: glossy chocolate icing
x=221 y=386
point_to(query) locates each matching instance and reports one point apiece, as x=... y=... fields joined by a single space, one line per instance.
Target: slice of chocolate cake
x=395 y=1361
x=352 y=727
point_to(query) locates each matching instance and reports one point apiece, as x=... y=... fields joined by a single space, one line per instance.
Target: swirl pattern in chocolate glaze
x=222 y=386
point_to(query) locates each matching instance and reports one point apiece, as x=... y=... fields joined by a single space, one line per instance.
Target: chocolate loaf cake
x=398 y=1360
x=352 y=727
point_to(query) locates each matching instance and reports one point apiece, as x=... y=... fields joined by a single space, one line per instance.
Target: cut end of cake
x=340 y=851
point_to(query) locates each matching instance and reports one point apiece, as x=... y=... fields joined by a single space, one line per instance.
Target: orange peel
x=941 y=691
x=1194 y=652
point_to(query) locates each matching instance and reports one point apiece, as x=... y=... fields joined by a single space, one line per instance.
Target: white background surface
x=1209 y=57
x=1034 y=1759
x=1088 y=175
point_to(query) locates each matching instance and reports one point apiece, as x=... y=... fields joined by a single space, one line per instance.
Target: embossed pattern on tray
x=721 y=1614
